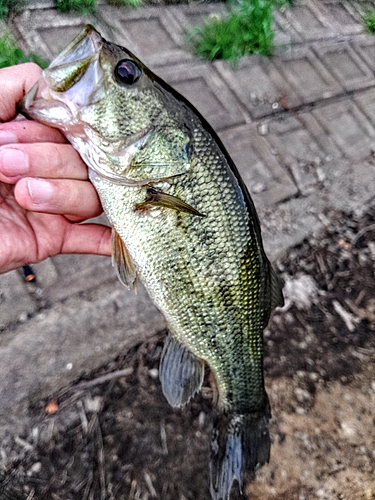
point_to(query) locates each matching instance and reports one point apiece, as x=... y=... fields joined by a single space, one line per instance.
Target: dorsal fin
x=181 y=372
x=274 y=294
x=277 y=299
x=122 y=262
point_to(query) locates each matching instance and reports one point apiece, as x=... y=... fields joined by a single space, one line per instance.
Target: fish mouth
x=73 y=79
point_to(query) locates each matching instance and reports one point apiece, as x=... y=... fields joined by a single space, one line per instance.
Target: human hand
x=44 y=187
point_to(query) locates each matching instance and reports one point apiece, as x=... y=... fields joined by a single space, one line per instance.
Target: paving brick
x=348 y=127
x=77 y=273
x=59 y=345
x=307 y=75
x=46 y=32
x=257 y=84
x=364 y=46
x=366 y=102
x=203 y=87
x=353 y=187
x=194 y=14
x=284 y=32
x=152 y=33
x=15 y=301
x=361 y=8
x=46 y=273
x=310 y=20
x=345 y=65
x=344 y=17
x=287 y=224
x=267 y=181
x=302 y=147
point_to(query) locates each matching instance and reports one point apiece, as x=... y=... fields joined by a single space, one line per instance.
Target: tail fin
x=240 y=445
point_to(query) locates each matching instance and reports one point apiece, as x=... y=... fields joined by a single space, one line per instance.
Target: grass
x=89 y=6
x=246 y=30
x=369 y=20
x=10 y=54
x=82 y=6
x=126 y=3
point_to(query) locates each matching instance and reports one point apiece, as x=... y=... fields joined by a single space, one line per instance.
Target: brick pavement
x=300 y=127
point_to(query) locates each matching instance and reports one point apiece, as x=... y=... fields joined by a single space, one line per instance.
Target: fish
x=184 y=224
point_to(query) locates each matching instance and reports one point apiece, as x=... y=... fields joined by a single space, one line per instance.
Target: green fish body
x=183 y=223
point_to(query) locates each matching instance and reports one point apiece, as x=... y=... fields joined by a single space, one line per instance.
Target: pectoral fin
x=155 y=198
x=122 y=262
x=181 y=372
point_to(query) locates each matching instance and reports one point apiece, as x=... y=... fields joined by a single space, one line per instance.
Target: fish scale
x=184 y=224
x=147 y=240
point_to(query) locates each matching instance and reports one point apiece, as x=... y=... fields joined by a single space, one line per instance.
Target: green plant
x=369 y=20
x=82 y=6
x=246 y=30
x=127 y=3
x=10 y=54
x=8 y=7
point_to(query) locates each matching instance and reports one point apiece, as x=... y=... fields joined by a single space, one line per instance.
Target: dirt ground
x=115 y=437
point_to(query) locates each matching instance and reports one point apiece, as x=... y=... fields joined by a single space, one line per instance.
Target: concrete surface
x=300 y=127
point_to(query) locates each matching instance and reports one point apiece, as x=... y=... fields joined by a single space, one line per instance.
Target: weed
x=369 y=20
x=82 y=6
x=8 y=7
x=10 y=54
x=246 y=30
x=126 y=3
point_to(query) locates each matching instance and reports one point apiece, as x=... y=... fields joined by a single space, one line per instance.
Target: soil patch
x=118 y=438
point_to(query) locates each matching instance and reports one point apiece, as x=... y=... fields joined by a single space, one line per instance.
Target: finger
x=28 y=131
x=15 y=82
x=77 y=200
x=87 y=238
x=54 y=161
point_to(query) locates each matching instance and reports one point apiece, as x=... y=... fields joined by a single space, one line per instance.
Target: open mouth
x=71 y=81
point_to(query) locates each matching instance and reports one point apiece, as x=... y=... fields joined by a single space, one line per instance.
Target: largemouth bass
x=184 y=224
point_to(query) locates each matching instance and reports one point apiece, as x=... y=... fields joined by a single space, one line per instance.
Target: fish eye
x=127 y=72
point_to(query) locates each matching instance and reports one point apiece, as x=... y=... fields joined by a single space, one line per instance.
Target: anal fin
x=122 y=262
x=181 y=372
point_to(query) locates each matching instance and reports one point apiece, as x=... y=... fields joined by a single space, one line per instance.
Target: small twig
x=101 y=461
x=92 y=423
x=133 y=489
x=88 y=486
x=163 y=436
x=150 y=485
x=103 y=378
x=348 y=318
x=23 y=443
x=361 y=233
x=361 y=313
x=73 y=393
x=366 y=352
x=358 y=300
x=83 y=417
x=336 y=471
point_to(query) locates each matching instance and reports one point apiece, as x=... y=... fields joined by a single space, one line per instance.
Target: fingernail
x=7 y=137
x=13 y=162
x=40 y=190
